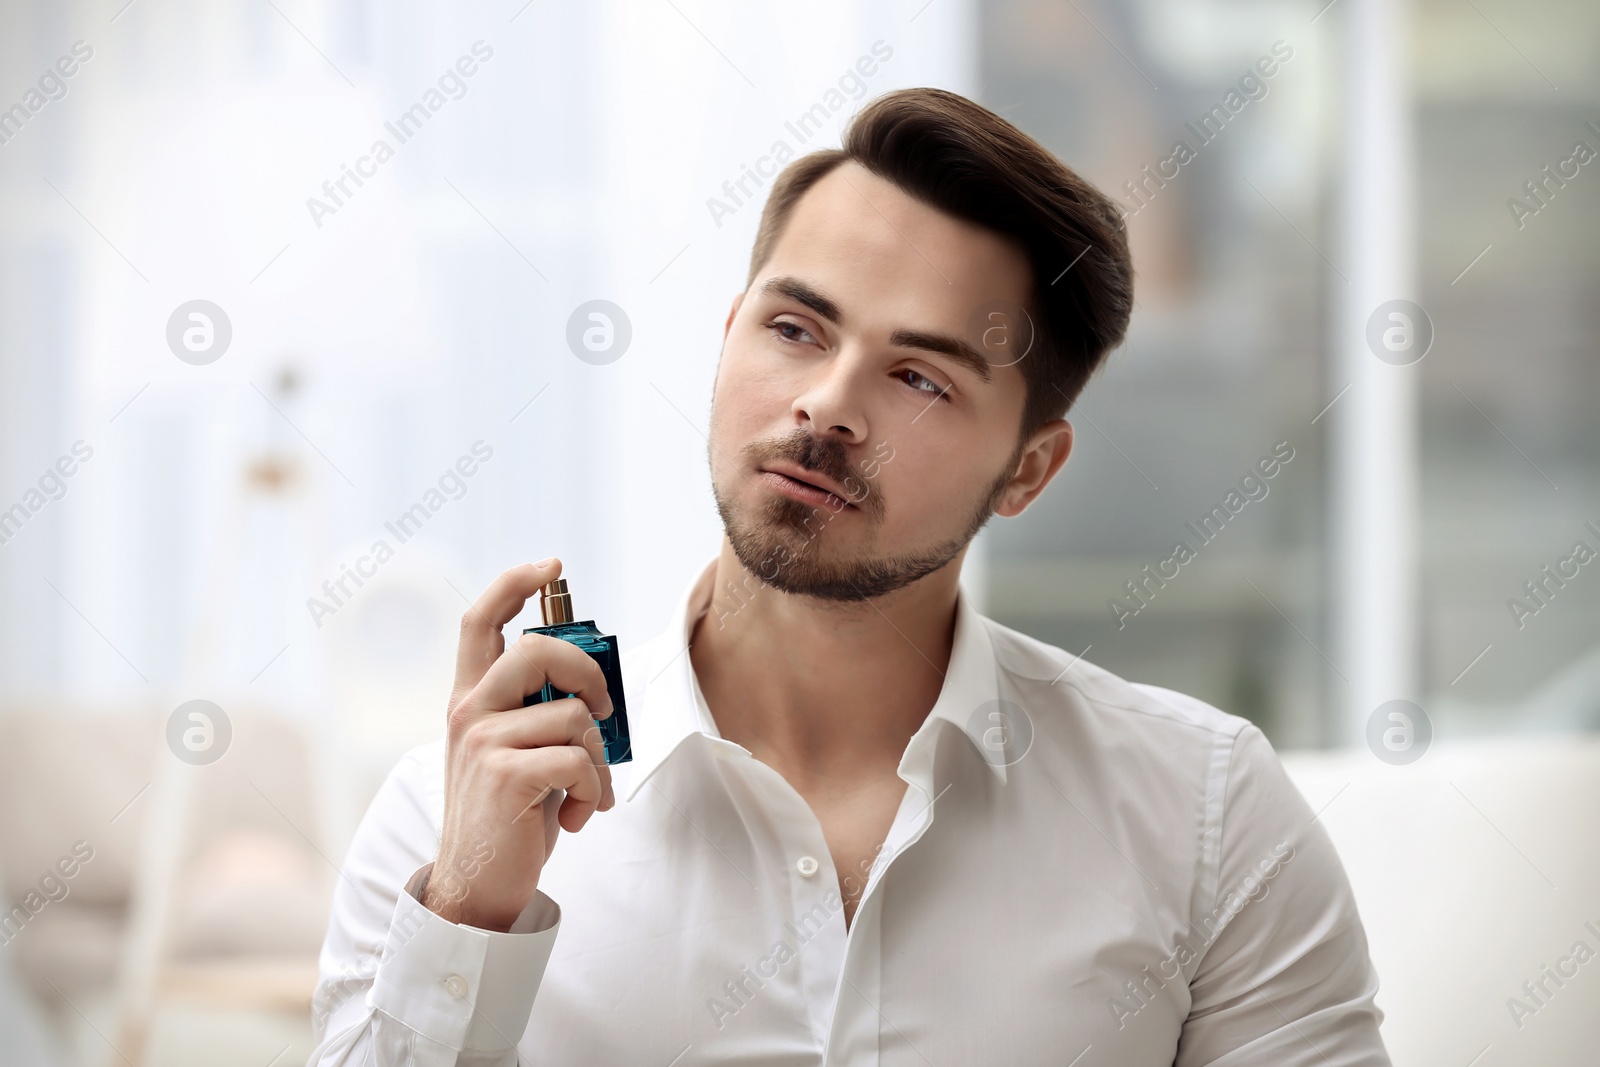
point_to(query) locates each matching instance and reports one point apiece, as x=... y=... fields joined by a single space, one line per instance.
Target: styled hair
x=968 y=162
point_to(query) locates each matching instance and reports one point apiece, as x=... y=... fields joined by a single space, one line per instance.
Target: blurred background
x=278 y=401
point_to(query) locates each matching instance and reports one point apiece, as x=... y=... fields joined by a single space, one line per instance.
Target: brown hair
x=968 y=162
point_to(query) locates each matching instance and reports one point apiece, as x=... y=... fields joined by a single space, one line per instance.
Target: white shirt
x=1106 y=873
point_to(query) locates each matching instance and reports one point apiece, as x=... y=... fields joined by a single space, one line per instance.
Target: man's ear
x=1047 y=449
x=732 y=311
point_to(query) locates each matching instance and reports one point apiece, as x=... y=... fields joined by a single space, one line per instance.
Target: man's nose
x=831 y=403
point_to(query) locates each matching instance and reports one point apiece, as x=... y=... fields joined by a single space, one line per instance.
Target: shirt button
x=806 y=865
x=456 y=986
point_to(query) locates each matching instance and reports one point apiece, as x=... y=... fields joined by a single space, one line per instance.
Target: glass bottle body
x=602 y=648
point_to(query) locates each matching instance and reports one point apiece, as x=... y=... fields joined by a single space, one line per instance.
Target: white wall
x=419 y=317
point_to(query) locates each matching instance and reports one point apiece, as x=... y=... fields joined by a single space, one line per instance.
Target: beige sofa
x=1475 y=868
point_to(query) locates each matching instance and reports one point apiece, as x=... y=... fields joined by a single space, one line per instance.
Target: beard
x=779 y=543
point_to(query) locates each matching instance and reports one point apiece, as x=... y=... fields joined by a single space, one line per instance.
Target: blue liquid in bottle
x=556 y=605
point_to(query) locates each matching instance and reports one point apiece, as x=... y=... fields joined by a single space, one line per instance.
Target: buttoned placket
x=819 y=949
x=857 y=1011
x=840 y=968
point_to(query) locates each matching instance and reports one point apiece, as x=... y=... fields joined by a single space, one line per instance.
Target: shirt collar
x=969 y=699
x=673 y=710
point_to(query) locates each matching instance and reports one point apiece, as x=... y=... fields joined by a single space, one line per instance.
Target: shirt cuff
x=458 y=985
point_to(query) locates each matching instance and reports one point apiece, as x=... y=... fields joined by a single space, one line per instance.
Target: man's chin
x=783 y=559
x=807 y=551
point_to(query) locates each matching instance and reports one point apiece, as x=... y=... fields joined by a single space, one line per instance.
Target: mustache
x=827 y=456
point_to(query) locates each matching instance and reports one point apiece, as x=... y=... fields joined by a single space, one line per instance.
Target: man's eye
x=791 y=332
x=920 y=383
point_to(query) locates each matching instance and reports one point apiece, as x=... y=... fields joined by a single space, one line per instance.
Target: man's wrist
x=451 y=906
x=438 y=903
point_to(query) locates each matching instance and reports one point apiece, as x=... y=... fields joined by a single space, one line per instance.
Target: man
x=862 y=824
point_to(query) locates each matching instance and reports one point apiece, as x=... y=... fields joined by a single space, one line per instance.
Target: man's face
x=859 y=435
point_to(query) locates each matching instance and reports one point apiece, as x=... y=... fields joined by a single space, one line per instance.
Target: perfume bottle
x=555 y=603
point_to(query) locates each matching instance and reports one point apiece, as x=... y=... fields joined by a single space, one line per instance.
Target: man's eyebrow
x=954 y=347
x=799 y=291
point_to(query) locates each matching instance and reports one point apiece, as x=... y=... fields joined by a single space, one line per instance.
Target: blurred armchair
x=205 y=886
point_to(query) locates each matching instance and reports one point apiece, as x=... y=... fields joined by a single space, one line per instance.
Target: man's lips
x=804 y=485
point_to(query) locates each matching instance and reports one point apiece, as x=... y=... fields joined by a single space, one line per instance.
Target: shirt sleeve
x=400 y=985
x=1284 y=978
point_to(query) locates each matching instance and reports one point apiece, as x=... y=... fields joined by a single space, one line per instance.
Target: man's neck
x=823 y=691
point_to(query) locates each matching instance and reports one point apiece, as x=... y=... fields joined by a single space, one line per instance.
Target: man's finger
x=481 y=638
x=531 y=661
x=558 y=722
x=569 y=768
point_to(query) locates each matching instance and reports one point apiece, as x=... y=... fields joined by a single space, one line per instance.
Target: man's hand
x=512 y=774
